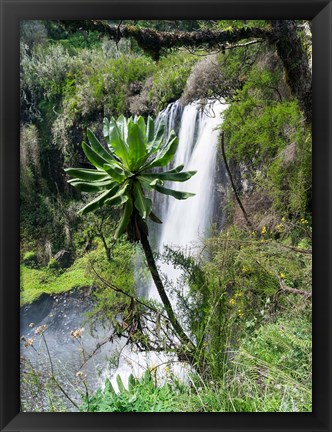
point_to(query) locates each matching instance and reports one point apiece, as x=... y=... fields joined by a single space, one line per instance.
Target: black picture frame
x=12 y=11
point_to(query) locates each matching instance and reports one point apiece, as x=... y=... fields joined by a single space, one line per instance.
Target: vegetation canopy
x=124 y=173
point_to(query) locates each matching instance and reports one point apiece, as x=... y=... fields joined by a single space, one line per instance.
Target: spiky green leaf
x=99 y=201
x=122 y=192
x=120 y=384
x=117 y=143
x=115 y=172
x=91 y=186
x=167 y=154
x=98 y=148
x=125 y=218
x=141 y=202
x=170 y=176
x=150 y=130
x=117 y=200
x=97 y=160
x=176 y=194
x=86 y=174
x=155 y=218
x=136 y=143
x=142 y=127
x=131 y=382
x=156 y=142
x=122 y=124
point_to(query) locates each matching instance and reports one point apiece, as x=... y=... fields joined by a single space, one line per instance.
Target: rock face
x=63 y=258
x=288 y=155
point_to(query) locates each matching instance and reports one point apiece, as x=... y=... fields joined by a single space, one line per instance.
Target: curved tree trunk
x=245 y=214
x=162 y=293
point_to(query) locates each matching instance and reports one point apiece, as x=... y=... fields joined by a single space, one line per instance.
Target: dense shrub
x=170 y=78
x=30 y=259
x=142 y=395
x=265 y=130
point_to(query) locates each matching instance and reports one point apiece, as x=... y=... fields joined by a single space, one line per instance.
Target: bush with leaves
x=265 y=130
x=142 y=395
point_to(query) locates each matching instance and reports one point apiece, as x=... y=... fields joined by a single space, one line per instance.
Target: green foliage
x=103 y=85
x=33 y=32
x=117 y=273
x=30 y=259
x=53 y=265
x=123 y=169
x=238 y=24
x=273 y=365
x=45 y=220
x=261 y=136
x=269 y=372
x=162 y=25
x=49 y=280
x=265 y=130
x=238 y=289
x=169 y=81
x=79 y=40
x=35 y=282
x=143 y=395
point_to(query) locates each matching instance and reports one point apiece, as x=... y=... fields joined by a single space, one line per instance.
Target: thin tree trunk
x=162 y=293
x=289 y=290
x=107 y=249
x=232 y=181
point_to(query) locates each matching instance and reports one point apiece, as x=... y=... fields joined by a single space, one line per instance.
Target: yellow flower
x=240 y=313
x=264 y=230
x=280 y=227
x=283 y=218
x=232 y=301
x=282 y=275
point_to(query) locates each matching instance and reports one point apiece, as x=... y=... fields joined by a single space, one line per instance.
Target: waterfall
x=185 y=222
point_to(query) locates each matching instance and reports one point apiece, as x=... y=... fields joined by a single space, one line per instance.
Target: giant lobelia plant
x=124 y=176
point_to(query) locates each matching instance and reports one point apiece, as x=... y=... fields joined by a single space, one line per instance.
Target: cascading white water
x=185 y=222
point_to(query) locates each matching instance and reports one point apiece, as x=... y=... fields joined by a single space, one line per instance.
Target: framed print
x=165 y=215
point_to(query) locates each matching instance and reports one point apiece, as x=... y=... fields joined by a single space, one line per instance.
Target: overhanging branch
x=154 y=42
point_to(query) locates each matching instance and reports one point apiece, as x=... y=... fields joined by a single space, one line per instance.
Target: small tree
x=123 y=176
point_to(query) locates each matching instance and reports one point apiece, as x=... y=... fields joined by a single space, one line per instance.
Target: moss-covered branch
x=281 y=33
x=154 y=42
